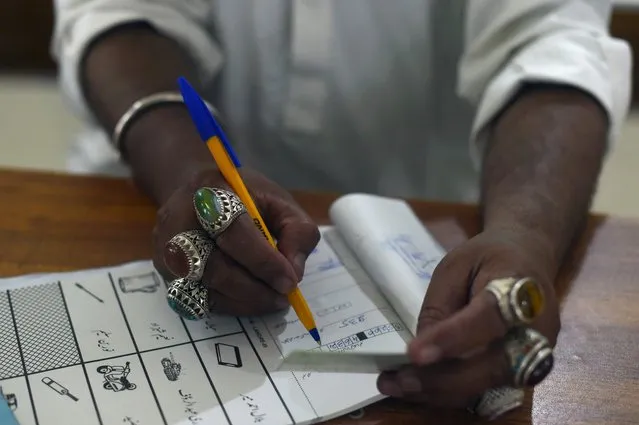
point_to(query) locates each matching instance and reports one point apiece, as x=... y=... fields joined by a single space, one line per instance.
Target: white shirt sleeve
x=509 y=43
x=79 y=22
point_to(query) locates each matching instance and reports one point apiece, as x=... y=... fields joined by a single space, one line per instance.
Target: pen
x=213 y=135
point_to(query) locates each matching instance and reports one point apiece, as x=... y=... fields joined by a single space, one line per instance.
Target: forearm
x=124 y=66
x=541 y=168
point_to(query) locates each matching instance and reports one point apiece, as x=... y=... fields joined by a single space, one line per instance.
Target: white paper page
x=392 y=245
x=102 y=346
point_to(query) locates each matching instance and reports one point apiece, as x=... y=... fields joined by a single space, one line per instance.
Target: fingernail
x=281 y=303
x=284 y=285
x=429 y=354
x=299 y=262
x=410 y=384
x=390 y=388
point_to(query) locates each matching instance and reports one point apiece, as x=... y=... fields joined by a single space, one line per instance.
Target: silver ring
x=497 y=401
x=530 y=355
x=188 y=298
x=186 y=253
x=216 y=209
x=520 y=301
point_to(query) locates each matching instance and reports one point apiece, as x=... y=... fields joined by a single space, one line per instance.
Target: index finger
x=241 y=240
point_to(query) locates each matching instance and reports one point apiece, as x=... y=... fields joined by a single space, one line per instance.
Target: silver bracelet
x=140 y=106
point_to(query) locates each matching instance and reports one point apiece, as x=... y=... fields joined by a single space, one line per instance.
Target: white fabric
x=361 y=95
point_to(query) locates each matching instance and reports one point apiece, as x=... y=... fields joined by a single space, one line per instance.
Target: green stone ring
x=188 y=298
x=216 y=209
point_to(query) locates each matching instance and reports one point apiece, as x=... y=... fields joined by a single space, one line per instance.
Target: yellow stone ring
x=216 y=209
x=520 y=301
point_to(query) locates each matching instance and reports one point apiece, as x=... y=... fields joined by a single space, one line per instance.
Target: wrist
x=539 y=247
x=165 y=150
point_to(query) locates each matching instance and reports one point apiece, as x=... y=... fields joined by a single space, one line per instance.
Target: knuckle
x=204 y=177
x=448 y=262
x=302 y=231
x=311 y=230
x=431 y=314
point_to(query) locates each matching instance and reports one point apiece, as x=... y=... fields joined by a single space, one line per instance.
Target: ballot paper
x=102 y=346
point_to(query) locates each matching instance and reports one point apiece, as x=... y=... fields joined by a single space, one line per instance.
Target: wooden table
x=59 y=223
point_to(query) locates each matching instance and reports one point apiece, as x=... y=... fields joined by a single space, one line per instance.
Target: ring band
x=530 y=355
x=497 y=401
x=186 y=253
x=520 y=301
x=217 y=209
x=188 y=298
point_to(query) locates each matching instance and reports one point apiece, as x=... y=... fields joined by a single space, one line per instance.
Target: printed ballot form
x=102 y=346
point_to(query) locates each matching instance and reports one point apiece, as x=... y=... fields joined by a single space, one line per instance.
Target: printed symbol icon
x=228 y=355
x=147 y=283
x=10 y=398
x=58 y=388
x=89 y=292
x=115 y=377
x=171 y=368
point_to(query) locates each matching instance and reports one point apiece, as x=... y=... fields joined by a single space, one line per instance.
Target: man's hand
x=244 y=274
x=458 y=352
x=541 y=165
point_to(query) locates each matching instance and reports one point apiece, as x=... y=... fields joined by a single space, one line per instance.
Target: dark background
x=26 y=26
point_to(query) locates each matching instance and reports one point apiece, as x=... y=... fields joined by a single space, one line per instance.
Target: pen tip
x=315 y=334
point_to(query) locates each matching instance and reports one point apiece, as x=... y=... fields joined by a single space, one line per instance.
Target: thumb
x=296 y=233
x=446 y=294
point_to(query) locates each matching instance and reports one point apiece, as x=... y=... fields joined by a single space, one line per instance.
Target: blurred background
x=36 y=128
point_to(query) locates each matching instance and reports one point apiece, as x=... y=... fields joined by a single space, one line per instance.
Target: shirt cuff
x=70 y=43
x=597 y=64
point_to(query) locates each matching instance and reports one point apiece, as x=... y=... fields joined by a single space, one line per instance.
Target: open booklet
x=102 y=346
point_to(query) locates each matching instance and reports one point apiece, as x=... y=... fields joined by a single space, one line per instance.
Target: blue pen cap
x=203 y=118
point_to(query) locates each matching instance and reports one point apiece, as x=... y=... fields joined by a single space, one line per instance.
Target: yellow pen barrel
x=301 y=308
x=232 y=176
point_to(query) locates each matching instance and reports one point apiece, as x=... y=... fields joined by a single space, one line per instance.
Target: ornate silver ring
x=216 y=209
x=520 y=301
x=188 y=298
x=530 y=355
x=186 y=253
